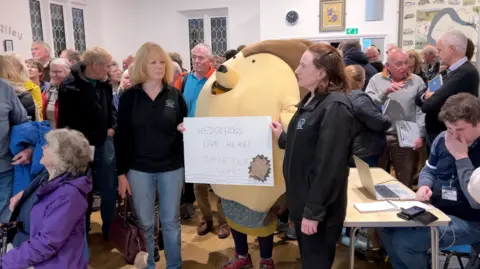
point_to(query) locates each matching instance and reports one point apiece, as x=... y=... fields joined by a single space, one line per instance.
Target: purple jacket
x=57 y=227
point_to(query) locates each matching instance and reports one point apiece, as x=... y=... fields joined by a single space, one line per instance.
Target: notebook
x=435 y=83
x=407 y=132
x=385 y=206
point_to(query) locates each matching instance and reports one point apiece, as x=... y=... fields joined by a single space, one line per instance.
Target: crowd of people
x=83 y=122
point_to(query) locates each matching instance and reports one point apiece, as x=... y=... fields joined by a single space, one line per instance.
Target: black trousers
x=317 y=251
x=188 y=195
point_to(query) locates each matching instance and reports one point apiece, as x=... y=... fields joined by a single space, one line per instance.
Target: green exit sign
x=351 y=31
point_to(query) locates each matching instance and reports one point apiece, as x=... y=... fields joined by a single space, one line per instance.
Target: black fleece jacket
x=86 y=106
x=318 y=148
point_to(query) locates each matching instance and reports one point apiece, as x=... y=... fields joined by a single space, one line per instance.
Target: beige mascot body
x=259 y=81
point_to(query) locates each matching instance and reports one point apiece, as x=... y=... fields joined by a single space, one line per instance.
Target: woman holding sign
x=150 y=149
x=318 y=149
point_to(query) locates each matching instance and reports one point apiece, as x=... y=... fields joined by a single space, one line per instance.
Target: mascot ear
x=290 y=51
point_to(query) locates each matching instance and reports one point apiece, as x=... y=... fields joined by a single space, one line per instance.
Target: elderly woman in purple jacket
x=57 y=219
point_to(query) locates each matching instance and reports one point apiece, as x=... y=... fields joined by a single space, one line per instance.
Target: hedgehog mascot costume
x=259 y=81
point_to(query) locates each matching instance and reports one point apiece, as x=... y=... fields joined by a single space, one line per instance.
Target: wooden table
x=356 y=220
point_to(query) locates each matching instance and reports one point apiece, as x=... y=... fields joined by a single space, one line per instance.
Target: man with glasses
x=400 y=87
x=461 y=76
x=192 y=84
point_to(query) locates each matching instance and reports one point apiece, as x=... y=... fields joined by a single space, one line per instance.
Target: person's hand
x=123 y=186
x=428 y=94
x=111 y=132
x=457 y=147
x=309 y=227
x=418 y=143
x=394 y=87
x=423 y=194
x=277 y=128
x=23 y=157
x=180 y=128
x=14 y=201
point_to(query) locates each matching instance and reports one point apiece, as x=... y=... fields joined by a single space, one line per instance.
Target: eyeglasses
x=400 y=64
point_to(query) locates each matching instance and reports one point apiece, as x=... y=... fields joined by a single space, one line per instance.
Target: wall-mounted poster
x=424 y=21
x=332 y=15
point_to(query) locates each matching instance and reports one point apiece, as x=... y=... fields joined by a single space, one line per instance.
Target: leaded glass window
x=36 y=20
x=58 y=27
x=218 y=28
x=196 y=32
x=79 y=29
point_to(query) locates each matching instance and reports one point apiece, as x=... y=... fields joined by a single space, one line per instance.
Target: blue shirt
x=191 y=92
x=457 y=64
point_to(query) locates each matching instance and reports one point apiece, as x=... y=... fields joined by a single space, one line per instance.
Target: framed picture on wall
x=332 y=15
x=7 y=45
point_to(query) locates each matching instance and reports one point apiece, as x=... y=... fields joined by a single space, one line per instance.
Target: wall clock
x=292 y=17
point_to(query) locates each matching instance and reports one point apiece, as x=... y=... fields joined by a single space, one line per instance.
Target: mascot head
x=259 y=81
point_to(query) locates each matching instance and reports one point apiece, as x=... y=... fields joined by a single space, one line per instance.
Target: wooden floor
x=208 y=252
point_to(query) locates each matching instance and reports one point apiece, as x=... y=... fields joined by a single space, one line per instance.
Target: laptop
x=381 y=192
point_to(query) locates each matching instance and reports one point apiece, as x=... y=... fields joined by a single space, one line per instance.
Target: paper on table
x=408 y=204
x=407 y=132
x=384 y=206
x=375 y=207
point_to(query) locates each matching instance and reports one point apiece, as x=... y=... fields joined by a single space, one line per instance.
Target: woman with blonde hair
x=370 y=141
x=415 y=65
x=15 y=72
x=150 y=149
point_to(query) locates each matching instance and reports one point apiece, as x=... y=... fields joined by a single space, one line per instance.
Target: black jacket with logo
x=86 y=107
x=147 y=139
x=318 y=148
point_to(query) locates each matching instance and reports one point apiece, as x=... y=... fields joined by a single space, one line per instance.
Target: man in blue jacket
x=444 y=183
x=11 y=113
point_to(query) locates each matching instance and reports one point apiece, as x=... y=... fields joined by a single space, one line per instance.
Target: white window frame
x=68 y=20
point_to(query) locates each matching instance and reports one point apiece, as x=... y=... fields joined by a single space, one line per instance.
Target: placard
x=228 y=150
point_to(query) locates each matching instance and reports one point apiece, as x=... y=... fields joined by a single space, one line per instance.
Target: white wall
x=15 y=15
x=243 y=22
x=15 y=25
x=273 y=25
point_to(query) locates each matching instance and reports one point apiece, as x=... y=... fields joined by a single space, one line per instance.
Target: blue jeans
x=105 y=179
x=169 y=186
x=6 y=189
x=408 y=247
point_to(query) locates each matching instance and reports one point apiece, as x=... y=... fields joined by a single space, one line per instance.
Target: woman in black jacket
x=370 y=140
x=318 y=149
x=149 y=149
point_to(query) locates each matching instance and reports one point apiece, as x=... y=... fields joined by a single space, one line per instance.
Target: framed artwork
x=332 y=15
x=7 y=45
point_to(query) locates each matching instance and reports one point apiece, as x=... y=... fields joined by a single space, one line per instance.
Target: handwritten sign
x=228 y=150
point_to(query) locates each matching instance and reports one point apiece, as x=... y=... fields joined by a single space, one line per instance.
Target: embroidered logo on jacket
x=170 y=103
x=300 y=124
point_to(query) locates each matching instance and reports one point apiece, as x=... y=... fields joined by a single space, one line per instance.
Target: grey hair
x=455 y=38
x=177 y=68
x=206 y=47
x=45 y=46
x=121 y=86
x=70 y=150
x=429 y=49
x=64 y=63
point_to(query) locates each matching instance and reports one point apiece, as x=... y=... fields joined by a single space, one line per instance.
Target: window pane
x=375 y=10
x=58 y=28
x=36 y=20
x=195 y=33
x=79 y=29
x=219 y=35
